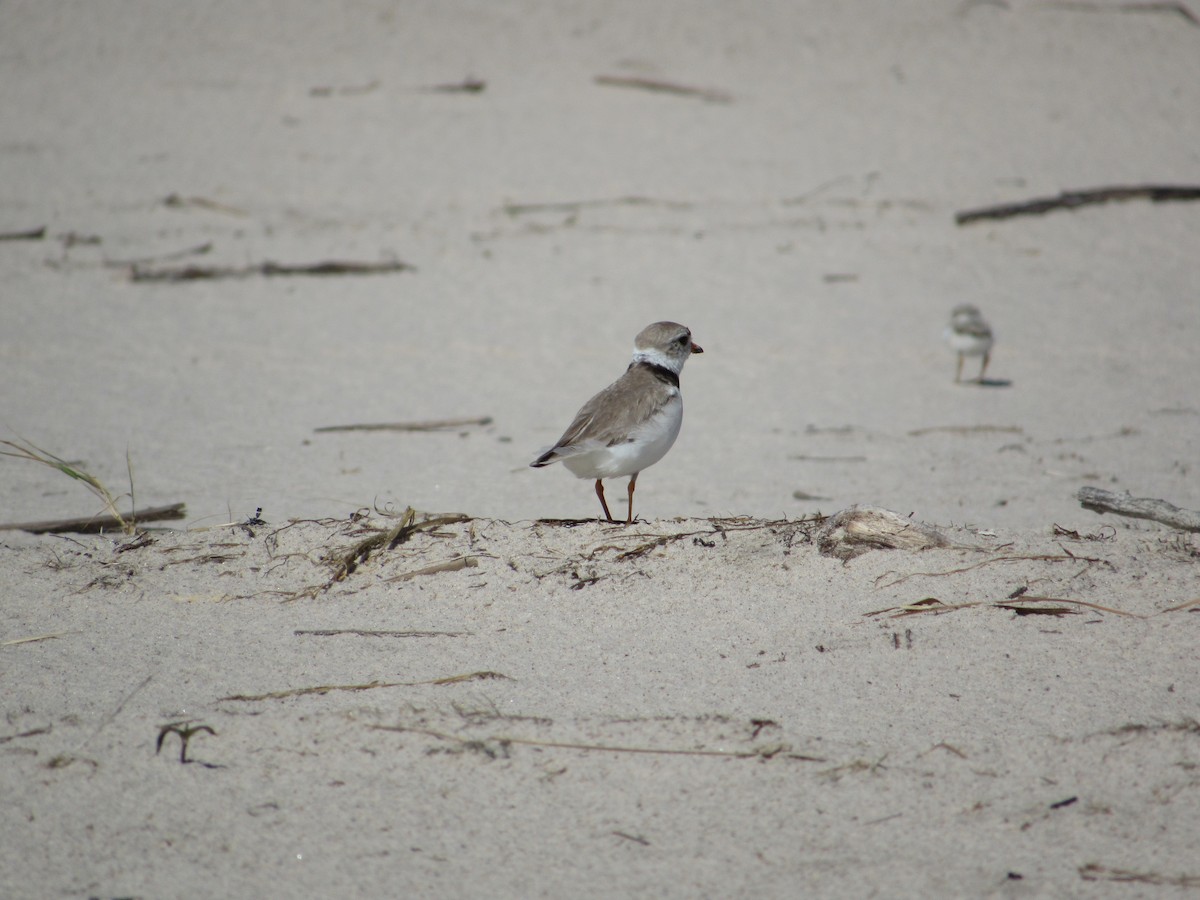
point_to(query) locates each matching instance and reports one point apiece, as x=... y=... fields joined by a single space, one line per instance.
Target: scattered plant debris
x=112 y=521
x=1023 y=606
x=855 y=531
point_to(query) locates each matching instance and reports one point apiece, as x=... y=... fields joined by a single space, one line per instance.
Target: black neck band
x=662 y=373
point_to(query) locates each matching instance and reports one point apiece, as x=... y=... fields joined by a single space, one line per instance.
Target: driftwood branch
x=92 y=524
x=1102 y=501
x=267 y=269
x=1158 y=193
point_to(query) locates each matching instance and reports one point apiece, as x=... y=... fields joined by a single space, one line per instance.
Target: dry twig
x=1097 y=872
x=574 y=206
x=267 y=269
x=360 y=632
x=1168 y=6
x=197 y=250
x=432 y=425
x=1158 y=193
x=768 y=751
x=663 y=87
x=1022 y=606
x=468 y=85
x=368 y=686
x=350 y=90
x=966 y=429
x=33 y=234
x=175 y=201
x=450 y=565
x=35 y=639
x=1191 y=606
x=1043 y=557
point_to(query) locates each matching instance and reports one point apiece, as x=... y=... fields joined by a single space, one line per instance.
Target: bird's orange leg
x=632 y=482
x=600 y=494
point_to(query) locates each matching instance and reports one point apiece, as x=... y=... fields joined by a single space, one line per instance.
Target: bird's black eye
x=683 y=339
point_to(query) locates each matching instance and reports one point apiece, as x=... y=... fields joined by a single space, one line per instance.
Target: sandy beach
x=230 y=228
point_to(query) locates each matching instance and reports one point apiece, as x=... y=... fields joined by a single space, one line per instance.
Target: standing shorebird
x=968 y=334
x=633 y=422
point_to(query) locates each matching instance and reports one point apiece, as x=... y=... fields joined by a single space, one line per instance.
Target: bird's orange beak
x=696 y=348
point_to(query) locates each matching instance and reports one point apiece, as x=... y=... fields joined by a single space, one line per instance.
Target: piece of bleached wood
x=1123 y=504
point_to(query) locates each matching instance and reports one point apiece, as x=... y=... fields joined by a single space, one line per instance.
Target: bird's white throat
x=656 y=357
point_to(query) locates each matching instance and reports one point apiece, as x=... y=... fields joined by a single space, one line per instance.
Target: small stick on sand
x=361 y=632
x=33 y=234
x=1102 y=501
x=175 y=201
x=1158 y=193
x=770 y=751
x=198 y=250
x=1141 y=7
x=267 y=269
x=33 y=640
x=466 y=86
x=434 y=425
x=96 y=524
x=450 y=565
x=966 y=429
x=369 y=686
x=1097 y=872
x=663 y=87
x=1022 y=606
x=351 y=90
x=575 y=206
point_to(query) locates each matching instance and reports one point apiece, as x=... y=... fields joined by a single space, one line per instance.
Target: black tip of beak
x=696 y=348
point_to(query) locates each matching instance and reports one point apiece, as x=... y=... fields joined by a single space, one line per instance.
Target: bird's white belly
x=966 y=343
x=650 y=443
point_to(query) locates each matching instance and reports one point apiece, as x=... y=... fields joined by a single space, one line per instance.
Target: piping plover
x=633 y=422
x=969 y=335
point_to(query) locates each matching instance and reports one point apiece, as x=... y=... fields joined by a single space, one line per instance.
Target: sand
x=514 y=703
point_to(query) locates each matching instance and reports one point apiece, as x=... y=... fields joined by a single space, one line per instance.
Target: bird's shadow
x=987 y=383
